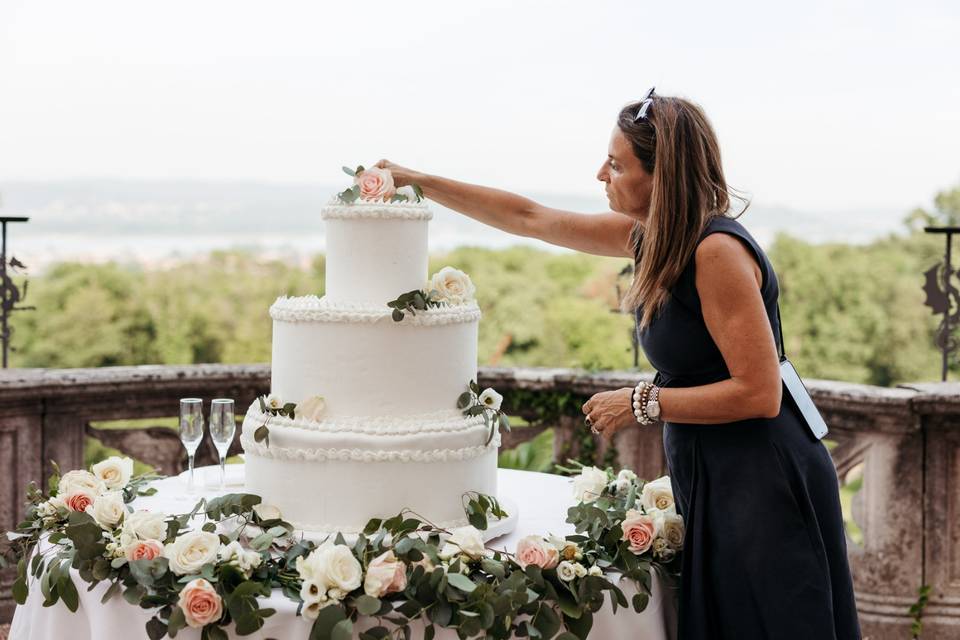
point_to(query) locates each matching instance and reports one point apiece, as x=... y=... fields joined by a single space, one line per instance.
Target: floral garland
x=397 y=571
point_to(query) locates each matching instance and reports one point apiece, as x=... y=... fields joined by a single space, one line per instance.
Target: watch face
x=653 y=409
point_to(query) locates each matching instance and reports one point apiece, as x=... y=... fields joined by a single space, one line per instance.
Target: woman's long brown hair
x=677 y=145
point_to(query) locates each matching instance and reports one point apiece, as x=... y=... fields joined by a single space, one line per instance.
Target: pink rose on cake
x=537 y=551
x=143 y=550
x=386 y=574
x=375 y=184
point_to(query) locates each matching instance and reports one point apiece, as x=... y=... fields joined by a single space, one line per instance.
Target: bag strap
x=783 y=355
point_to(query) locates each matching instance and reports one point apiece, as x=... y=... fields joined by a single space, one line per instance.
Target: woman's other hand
x=609 y=411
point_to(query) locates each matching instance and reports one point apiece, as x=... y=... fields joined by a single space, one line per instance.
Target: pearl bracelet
x=640 y=395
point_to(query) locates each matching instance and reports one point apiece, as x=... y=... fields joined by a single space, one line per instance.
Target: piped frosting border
x=372 y=210
x=319 y=309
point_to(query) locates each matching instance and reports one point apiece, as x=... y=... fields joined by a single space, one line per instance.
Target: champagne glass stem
x=223 y=472
x=190 y=482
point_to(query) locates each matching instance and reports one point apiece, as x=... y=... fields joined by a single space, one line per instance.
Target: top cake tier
x=375 y=250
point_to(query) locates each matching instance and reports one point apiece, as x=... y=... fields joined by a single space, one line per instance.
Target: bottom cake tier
x=336 y=475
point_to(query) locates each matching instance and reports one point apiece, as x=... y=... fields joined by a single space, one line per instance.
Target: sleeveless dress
x=765 y=553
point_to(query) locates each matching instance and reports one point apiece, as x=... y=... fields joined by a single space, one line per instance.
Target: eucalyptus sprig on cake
x=487 y=403
x=272 y=405
x=447 y=287
x=377 y=185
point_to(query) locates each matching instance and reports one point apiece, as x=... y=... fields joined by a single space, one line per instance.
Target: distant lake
x=157 y=222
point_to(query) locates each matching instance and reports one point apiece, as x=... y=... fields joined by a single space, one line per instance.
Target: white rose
x=452 y=285
x=589 y=485
x=657 y=495
x=188 y=553
x=114 y=471
x=273 y=401
x=144 y=525
x=82 y=481
x=579 y=570
x=410 y=192
x=466 y=540
x=344 y=571
x=625 y=478
x=670 y=526
x=108 y=509
x=595 y=571
x=312 y=408
x=244 y=559
x=491 y=398
x=566 y=571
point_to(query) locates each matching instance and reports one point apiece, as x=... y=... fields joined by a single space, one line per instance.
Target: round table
x=542 y=500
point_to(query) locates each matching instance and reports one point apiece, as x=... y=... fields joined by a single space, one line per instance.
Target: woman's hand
x=609 y=411
x=401 y=175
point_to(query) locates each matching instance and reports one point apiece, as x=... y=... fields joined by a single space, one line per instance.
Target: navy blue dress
x=765 y=553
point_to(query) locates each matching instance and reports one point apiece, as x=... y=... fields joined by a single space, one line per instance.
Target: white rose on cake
x=273 y=401
x=625 y=478
x=115 y=472
x=108 y=509
x=244 y=559
x=82 y=482
x=671 y=528
x=191 y=551
x=589 y=485
x=312 y=408
x=657 y=495
x=452 y=286
x=409 y=192
x=464 y=540
x=332 y=569
x=491 y=398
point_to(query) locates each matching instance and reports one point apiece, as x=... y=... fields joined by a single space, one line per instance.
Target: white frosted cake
x=377 y=426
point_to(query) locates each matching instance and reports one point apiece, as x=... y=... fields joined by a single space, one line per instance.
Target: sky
x=822 y=106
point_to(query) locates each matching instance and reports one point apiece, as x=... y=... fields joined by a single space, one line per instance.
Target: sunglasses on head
x=645 y=103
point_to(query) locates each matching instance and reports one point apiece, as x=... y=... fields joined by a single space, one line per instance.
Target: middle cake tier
x=364 y=363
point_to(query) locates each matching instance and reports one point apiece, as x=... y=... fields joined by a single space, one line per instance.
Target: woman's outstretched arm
x=605 y=234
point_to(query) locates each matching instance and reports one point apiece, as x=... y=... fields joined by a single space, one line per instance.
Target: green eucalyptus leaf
x=397 y=315
x=349 y=171
x=461 y=582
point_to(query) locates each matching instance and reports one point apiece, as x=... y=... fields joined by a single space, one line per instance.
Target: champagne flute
x=222 y=427
x=191 y=430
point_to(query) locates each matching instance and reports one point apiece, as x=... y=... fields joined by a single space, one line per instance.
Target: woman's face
x=628 y=185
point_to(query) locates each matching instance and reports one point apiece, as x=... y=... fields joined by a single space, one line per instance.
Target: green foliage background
x=850 y=312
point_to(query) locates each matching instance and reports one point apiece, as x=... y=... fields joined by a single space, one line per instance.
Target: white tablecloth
x=542 y=499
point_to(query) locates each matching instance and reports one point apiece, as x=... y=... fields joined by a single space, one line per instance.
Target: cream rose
x=566 y=571
x=534 y=550
x=595 y=571
x=385 y=574
x=639 y=530
x=671 y=528
x=452 y=286
x=143 y=550
x=312 y=408
x=144 y=525
x=273 y=401
x=491 y=398
x=657 y=495
x=333 y=568
x=108 y=509
x=375 y=184
x=188 y=553
x=200 y=603
x=464 y=540
x=79 y=480
x=115 y=472
x=244 y=559
x=589 y=485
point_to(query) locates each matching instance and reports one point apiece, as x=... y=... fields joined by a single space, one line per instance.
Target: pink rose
x=78 y=501
x=375 y=184
x=536 y=551
x=639 y=530
x=200 y=603
x=144 y=550
x=386 y=574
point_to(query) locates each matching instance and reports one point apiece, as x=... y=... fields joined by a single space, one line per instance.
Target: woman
x=765 y=549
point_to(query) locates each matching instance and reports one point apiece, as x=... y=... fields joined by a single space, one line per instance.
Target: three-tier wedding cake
x=363 y=417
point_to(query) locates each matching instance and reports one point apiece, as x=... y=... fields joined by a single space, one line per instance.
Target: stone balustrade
x=902 y=445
